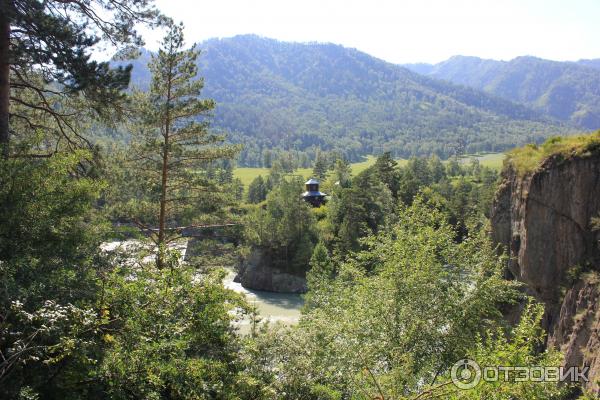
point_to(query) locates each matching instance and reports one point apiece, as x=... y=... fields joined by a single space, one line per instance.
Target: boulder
x=257 y=273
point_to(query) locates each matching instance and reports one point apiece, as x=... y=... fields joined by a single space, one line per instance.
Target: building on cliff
x=312 y=195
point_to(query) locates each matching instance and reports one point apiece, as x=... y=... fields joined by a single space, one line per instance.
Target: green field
x=359 y=167
x=247 y=174
x=490 y=160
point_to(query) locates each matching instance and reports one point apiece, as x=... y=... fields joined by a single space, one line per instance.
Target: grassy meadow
x=490 y=160
x=247 y=174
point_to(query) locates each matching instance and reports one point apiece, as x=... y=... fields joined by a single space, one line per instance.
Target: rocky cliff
x=542 y=218
x=257 y=272
x=576 y=332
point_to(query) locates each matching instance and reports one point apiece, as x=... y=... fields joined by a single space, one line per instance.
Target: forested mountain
x=298 y=97
x=595 y=63
x=568 y=91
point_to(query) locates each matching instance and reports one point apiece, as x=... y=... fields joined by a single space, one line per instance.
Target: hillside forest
x=293 y=100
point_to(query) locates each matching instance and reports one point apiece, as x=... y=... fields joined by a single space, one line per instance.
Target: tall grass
x=528 y=158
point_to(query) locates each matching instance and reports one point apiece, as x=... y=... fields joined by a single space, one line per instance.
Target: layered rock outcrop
x=257 y=272
x=577 y=330
x=543 y=220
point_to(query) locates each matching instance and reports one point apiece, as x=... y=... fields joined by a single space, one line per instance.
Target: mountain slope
x=567 y=91
x=595 y=63
x=293 y=96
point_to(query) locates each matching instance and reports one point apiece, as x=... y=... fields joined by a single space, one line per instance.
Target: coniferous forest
x=296 y=99
x=122 y=224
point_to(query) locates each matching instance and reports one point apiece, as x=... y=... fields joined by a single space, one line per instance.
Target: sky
x=404 y=31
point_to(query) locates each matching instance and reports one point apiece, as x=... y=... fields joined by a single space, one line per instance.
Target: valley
x=295 y=98
x=267 y=201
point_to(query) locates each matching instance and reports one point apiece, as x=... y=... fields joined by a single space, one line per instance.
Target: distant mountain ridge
x=568 y=91
x=297 y=97
x=595 y=63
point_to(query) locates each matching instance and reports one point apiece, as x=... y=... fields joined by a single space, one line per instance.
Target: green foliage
x=341 y=173
x=48 y=350
x=276 y=96
x=74 y=324
x=437 y=168
x=248 y=174
x=357 y=211
x=367 y=203
x=453 y=167
x=170 y=334
x=527 y=159
x=385 y=170
x=402 y=280
x=284 y=227
x=257 y=190
x=173 y=154
x=398 y=313
x=320 y=168
x=49 y=235
x=46 y=209
x=320 y=275
x=520 y=347
x=48 y=56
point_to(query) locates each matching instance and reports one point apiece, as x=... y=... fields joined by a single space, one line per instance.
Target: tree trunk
x=4 y=79
x=163 y=205
x=160 y=261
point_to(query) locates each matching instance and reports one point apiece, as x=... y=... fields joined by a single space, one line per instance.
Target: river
x=272 y=307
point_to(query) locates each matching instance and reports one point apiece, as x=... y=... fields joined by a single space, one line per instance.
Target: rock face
x=256 y=272
x=577 y=330
x=543 y=221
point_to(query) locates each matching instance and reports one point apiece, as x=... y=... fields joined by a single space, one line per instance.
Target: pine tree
x=319 y=278
x=172 y=141
x=437 y=168
x=386 y=171
x=44 y=55
x=321 y=267
x=342 y=172
x=320 y=167
x=453 y=167
x=257 y=190
x=284 y=227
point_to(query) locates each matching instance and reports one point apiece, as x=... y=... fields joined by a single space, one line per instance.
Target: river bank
x=271 y=307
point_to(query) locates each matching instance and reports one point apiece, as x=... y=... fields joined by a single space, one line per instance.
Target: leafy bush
x=398 y=314
x=284 y=227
